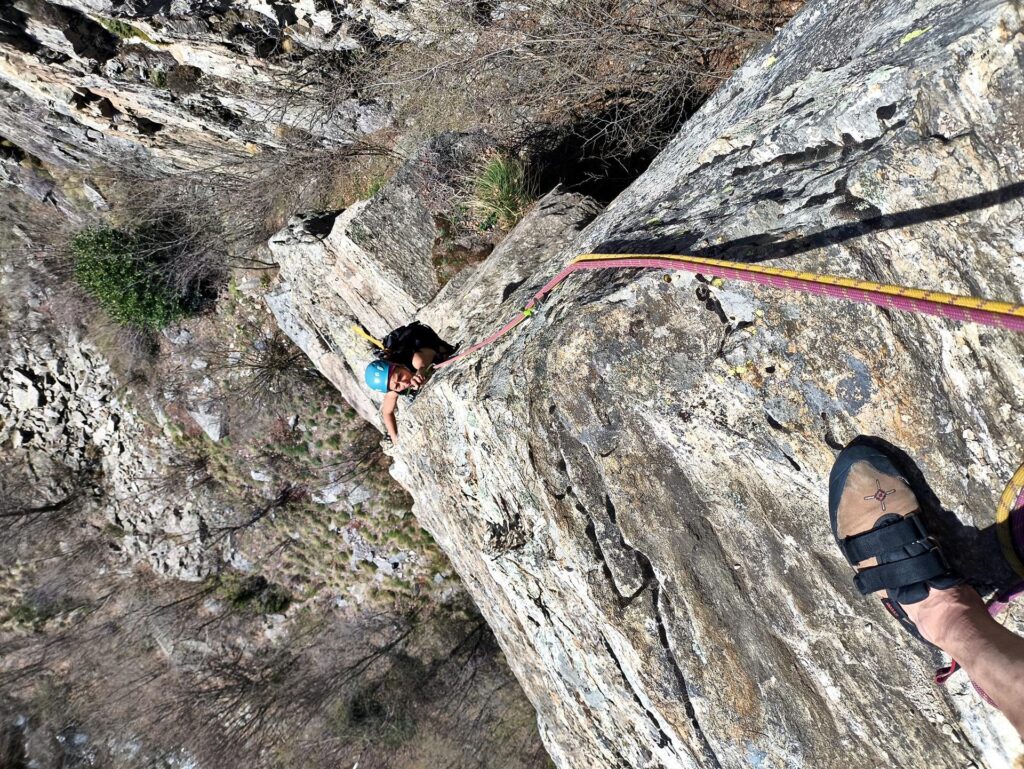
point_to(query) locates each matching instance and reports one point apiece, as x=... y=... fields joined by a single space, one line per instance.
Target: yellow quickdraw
x=371 y=339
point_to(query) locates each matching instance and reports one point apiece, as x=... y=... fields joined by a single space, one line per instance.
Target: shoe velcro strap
x=909 y=571
x=884 y=539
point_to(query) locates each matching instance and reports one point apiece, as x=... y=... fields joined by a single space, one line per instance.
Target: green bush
x=501 y=192
x=24 y=614
x=33 y=615
x=127 y=287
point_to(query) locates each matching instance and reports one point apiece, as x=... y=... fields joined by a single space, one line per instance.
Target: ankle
x=951 y=619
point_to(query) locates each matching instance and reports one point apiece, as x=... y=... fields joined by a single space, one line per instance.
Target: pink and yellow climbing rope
x=962 y=309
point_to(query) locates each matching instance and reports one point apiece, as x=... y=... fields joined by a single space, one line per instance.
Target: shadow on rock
x=765 y=247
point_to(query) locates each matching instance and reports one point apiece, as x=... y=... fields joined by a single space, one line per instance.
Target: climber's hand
x=418 y=380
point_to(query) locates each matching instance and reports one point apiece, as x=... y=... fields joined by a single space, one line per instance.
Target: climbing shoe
x=877 y=525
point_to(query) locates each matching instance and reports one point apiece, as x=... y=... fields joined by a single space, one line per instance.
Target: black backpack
x=406 y=340
x=401 y=341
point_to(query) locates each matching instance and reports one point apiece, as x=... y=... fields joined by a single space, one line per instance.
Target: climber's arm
x=422 y=360
x=387 y=411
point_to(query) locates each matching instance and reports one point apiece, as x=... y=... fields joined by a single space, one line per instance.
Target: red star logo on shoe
x=880 y=494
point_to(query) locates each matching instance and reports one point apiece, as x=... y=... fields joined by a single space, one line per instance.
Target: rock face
x=90 y=81
x=360 y=266
x=633 y=485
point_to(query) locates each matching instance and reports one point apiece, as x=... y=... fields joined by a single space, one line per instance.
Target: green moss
x=113 y=531
x=123 y=29
x=402 y=539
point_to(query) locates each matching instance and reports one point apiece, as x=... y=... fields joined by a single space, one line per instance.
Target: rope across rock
x=963 y=309
x=958 y=308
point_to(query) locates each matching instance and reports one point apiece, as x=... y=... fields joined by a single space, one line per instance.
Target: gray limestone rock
x=633 y=485
x=340 y=355
x=86 y=83
x=210 y=420
x=370 y=265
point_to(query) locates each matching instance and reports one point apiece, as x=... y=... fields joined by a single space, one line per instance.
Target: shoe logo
x=880 y=495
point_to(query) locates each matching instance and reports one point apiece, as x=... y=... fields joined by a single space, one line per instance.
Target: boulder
x=210 y=419
x=25 y=397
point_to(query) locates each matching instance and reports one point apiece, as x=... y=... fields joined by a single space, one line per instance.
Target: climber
x=876 y=524
x=403 y=367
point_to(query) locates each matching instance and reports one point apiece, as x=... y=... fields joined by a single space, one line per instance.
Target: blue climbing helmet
x=377 y=375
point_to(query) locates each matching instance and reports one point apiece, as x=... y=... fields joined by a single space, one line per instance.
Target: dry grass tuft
x=502 y=191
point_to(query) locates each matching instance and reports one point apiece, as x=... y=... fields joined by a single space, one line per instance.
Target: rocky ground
x=220 y=461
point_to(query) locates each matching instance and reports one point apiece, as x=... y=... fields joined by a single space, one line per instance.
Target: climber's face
x=399 y=379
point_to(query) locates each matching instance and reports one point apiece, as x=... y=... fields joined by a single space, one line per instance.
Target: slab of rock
x=88 y=82
x=633 y=485
x=336 y=351
x=384 y=286
x=210 y=420
x=25 y=397
x=370 y=265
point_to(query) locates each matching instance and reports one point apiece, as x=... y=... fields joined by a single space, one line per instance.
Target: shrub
x=253 y=594
x=501 y=192
x=263 y=368
x=130 y=289
x=379 y=714
x=24 y=614
x=619 y=78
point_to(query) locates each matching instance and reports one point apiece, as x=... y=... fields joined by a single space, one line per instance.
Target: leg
x=873 y=512
x=957 y=622
x=422 y=358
